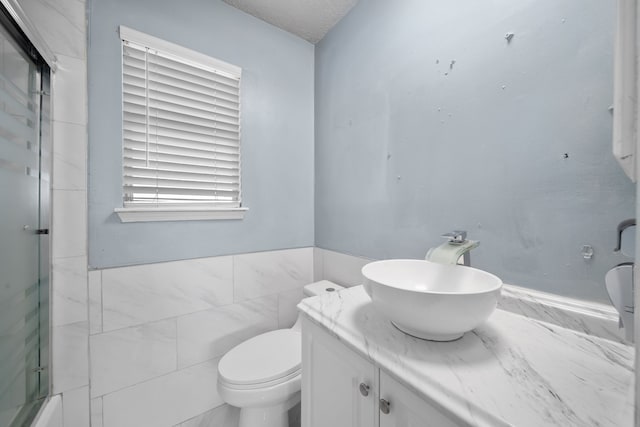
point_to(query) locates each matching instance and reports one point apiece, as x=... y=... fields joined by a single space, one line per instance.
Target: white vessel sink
x=432 y=301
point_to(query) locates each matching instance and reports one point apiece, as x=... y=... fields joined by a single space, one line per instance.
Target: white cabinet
x=337 y=385
x=406 y=409
x=343 y=389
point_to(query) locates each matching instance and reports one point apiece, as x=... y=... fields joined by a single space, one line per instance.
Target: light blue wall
x=408 y=147
x=277 y=132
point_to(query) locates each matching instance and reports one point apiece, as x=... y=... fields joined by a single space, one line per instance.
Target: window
x=181 y=133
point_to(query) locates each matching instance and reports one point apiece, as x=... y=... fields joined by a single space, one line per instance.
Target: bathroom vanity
x=359 y=370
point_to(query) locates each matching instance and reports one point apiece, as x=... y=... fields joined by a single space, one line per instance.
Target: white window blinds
x=181 y=125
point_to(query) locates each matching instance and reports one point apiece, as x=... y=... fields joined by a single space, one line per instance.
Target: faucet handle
x=455 y=236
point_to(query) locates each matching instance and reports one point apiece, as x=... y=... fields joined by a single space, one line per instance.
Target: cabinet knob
x=385 y=406
x=364 y=389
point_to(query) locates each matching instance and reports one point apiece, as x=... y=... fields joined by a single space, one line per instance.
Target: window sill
x=149 y=214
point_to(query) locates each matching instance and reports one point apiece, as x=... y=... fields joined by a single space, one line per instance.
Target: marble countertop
x=512 y=370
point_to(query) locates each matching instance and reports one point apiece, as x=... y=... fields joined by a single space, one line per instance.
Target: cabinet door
x=331 y=383
x=406 y=409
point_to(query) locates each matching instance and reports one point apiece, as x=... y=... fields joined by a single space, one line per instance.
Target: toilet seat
x=262 y=361
x=263 y=385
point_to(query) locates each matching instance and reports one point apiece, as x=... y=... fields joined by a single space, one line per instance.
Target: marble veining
x=512 y=370
x=211 y=333
x=61 y=23
x=69 y=356
x=583 y=316
x=70 y=294
x=70 y=157
x=129 y=356
x=144 y=293
x=95 y=301
x=167 y=324
x=166 y=400
x=263 y=273
x=69 y=219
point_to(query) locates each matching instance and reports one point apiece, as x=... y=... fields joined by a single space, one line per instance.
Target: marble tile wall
x=340 y=268
x=144 y=293
x=75 y=407
x=62 y=24
x=157 y=332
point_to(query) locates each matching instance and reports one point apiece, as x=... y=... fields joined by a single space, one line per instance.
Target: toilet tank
x=315 y=289
x=321 y=287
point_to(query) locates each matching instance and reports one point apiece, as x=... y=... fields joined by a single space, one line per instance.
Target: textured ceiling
x=309 y=19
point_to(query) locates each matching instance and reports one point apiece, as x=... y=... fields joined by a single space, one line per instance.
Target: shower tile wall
x=159 y=330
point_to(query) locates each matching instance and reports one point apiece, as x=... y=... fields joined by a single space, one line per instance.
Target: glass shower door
x=24 y=262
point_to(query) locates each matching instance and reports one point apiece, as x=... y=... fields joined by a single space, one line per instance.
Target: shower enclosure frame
x=35 y=319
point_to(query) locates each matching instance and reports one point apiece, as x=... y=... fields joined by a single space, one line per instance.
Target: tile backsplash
x=340 y=268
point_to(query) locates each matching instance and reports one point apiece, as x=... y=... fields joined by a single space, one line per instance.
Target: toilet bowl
x=262 y=375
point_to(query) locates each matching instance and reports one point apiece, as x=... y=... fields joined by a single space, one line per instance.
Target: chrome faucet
x=455 y=238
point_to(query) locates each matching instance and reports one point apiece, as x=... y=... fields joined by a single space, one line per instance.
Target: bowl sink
x=437 y=302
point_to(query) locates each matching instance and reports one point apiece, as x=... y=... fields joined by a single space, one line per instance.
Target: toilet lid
x=263 y=358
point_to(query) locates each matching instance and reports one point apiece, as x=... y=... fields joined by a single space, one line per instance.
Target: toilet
x=262 y=375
